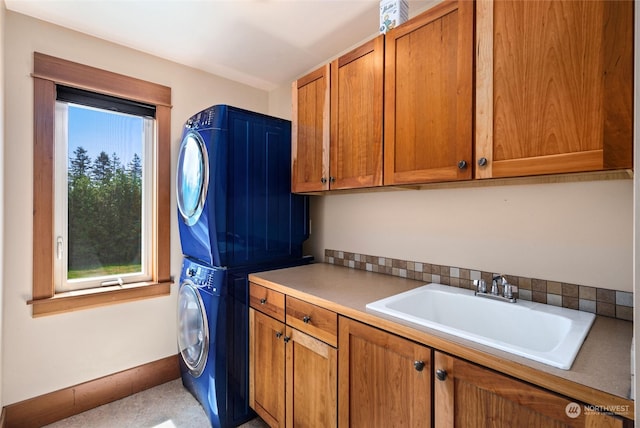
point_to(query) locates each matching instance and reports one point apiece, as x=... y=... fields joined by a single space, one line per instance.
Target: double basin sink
x=548 y=334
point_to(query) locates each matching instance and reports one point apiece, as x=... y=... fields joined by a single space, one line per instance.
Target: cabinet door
x=428 y=96
x=267 y=368
x=356 y=117
x=553 y=86
x=472 y=396
x=312 y=386
x=384 y=380
x=310 y=132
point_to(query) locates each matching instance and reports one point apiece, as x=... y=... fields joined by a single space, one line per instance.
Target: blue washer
x=213 y=337
x=202 y=313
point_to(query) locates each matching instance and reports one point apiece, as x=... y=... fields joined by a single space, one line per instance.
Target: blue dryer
x=235 y=205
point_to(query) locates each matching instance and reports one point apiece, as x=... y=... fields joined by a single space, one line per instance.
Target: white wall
x=2 y=49
x=280 y=102
x=574 y=232
x=46 y=354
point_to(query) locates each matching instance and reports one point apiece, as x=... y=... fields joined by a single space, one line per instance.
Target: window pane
x=105 y=201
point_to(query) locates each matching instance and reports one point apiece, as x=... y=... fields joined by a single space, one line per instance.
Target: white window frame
x=61 y=231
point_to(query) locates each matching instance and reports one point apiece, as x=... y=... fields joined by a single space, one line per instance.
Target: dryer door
x=193 y=328
x=192 y=177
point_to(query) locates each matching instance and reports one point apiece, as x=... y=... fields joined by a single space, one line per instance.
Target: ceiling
x=262 y=43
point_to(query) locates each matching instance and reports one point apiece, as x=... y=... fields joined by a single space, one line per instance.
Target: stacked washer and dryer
x=236 y=216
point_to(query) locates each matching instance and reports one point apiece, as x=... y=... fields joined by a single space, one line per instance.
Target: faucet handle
x=481 y=285
x=507 y=291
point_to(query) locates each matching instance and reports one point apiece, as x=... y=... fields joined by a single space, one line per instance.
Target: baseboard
x=48 y=408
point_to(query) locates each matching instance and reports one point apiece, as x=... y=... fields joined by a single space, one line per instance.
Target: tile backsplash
x=601 y=301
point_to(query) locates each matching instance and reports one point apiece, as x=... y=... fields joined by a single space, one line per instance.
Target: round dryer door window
x=193 y=329
x=192 y=178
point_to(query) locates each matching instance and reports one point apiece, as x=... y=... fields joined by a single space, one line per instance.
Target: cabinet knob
x=306 y=319
x=287 y=339
x=323 y=180
x=482 y=161
x=263 y=301
x=278 y=334
x=462 y=164
x=441 y=374
x=419 y=365
x=332 y=179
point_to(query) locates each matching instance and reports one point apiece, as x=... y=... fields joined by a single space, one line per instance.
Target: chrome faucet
x=498 y=280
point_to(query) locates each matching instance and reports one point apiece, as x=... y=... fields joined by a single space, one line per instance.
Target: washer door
x=193 y=329
x=192 y=177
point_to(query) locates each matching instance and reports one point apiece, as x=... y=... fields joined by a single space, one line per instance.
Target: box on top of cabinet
x=392 y=14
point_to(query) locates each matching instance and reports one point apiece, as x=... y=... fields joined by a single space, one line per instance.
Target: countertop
x=599 y=376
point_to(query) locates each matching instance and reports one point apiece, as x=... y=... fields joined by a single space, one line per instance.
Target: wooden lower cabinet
x=293 y=376
x=267 y=368
x=379 y=379
x=311 y=379
x=384 y=380
x=466 y=395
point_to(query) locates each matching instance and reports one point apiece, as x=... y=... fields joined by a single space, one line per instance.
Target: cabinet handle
x=306 y=319
x=482 y=161
x=323 y=180
x=419 y=365
x=287 y=339
x=278 y=334
x=462 y=164
x=441 y=374
x=263 y=301
x=332 y=179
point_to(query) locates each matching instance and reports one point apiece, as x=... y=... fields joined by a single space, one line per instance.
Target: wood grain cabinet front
x=428 y=113
x=267 y=301
x=312 y=319
x=553 y=86
x=466 y=395
x=311 y=379
x=357 y=81
x=310 y=132
x=384 y=380
x=267 y=368
x=337 y=122
x=292 y=375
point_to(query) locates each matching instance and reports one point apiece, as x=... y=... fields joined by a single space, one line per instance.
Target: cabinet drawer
x=314 y=320
x=266 y=301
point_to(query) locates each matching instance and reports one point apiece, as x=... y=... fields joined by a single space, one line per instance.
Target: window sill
x=95 y=297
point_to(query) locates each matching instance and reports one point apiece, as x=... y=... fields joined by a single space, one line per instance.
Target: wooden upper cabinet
x=357 y=80
x=310 y=132
x=428 y=96
x=553 y=86
x=466 y=395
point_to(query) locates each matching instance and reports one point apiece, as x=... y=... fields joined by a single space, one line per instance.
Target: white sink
x=544 y=333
